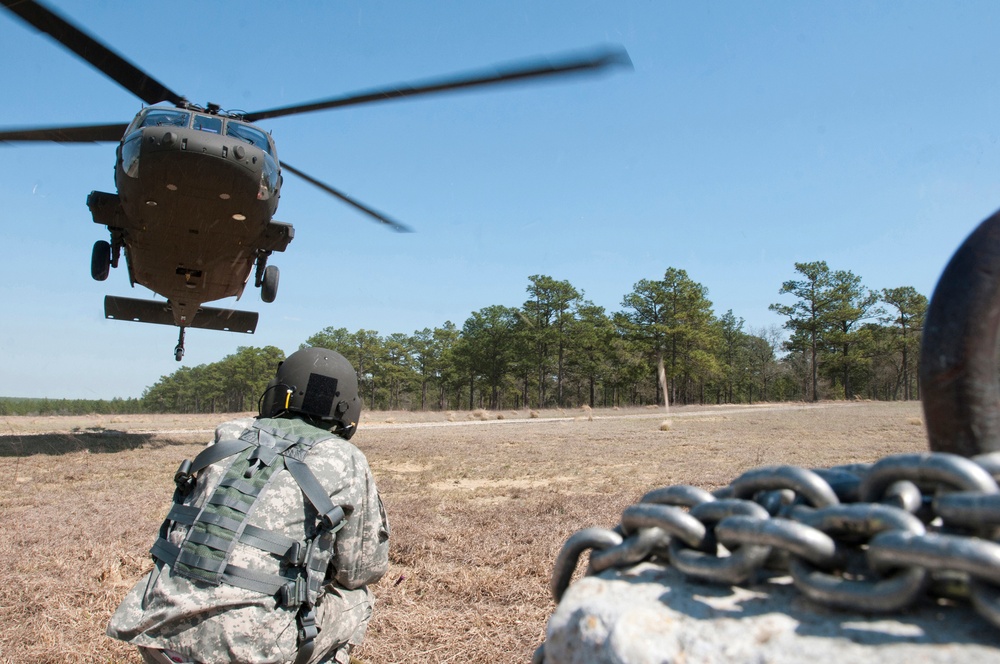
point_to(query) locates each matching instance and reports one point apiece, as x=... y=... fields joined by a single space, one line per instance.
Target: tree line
x=559 y=349
x=232 y=385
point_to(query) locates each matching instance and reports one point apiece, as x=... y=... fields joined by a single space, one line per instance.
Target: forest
x=840 y=340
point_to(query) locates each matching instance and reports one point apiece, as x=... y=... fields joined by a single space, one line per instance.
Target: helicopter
x=197 y=186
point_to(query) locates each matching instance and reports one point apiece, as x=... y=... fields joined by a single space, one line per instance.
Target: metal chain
x=866 y=537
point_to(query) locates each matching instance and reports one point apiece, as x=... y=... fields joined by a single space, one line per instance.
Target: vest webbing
x=214 y=529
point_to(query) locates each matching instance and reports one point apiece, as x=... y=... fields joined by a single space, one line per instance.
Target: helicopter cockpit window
x=253 y=136
x=157 y=117
x=210 y=123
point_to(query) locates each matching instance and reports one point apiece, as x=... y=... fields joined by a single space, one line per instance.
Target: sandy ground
x=480 y=504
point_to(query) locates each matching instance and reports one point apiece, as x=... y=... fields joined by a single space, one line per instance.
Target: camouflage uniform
x=222 y=623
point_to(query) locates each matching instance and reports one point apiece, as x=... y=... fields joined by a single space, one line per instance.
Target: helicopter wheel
x=100 y=260
x=269 y=284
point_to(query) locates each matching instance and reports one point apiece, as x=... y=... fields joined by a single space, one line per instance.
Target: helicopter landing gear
x=179 y=348
x=100 y=260
x=269 y=284
x=266 y=278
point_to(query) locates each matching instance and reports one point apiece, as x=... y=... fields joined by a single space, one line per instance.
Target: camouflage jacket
x=223 y=623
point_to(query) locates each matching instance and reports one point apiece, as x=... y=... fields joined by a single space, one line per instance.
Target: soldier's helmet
x=319 y=384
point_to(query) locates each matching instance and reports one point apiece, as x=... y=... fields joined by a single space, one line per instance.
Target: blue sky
x=749 y=136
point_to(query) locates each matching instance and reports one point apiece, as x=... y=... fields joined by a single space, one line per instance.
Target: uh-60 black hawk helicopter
x=197 y=186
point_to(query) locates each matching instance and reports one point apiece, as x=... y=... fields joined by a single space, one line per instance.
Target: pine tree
x=910 y=310
x=809 y=318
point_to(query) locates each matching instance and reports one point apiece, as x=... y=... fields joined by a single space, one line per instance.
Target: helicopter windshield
x=210 y=123
x=251 y=135
x=164 y=117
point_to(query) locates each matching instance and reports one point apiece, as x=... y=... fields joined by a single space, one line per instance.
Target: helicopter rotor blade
x=117 y=68
x=70 y=134
x=577 y=63
x=378 y=216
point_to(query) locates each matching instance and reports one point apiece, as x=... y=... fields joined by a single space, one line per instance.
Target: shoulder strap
x=218 y=452
x=188 y=471
x=330 y=516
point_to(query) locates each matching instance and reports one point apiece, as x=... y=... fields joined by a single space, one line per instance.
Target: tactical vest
x=213 y=530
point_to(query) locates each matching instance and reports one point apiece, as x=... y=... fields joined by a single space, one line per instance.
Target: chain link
x=865 y=537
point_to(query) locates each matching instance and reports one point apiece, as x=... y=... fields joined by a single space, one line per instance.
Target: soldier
x=275 y=533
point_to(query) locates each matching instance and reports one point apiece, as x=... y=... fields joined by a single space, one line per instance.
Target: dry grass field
x=479 y=505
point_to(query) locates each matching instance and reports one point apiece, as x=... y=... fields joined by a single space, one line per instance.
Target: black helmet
x=319 y=384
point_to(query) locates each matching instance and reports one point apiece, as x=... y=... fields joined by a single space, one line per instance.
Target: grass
x=478 y=507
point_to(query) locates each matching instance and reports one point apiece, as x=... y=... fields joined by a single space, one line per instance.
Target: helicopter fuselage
x=197 y=187
x=193 y=212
